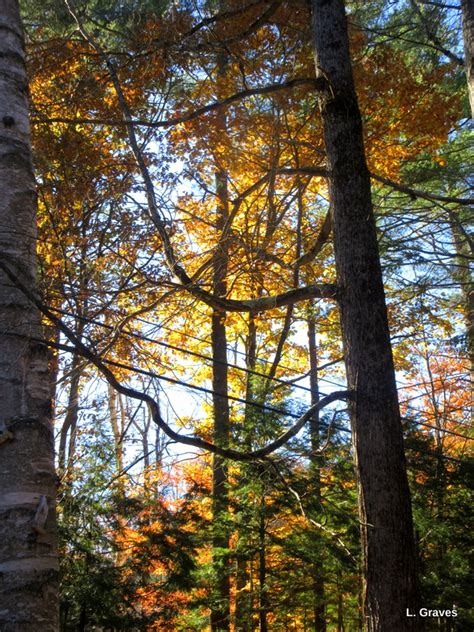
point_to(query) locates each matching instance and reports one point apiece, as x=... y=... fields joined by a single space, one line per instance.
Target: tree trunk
x=28 y=550
x=462 y=274
x=316 y=463
x=467 y=12
x=384 y=497
x=243 y=599
x=220 y=613
x=117 y=429
x=262 y=570
x=67 y=437
x=340 y=605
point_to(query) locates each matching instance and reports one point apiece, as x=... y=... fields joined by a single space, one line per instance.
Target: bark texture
x=384 y=497
x=462 y=274
x=467 y=8
x=28 y=557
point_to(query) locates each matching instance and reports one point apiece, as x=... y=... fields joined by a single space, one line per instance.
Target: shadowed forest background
x=191 y=282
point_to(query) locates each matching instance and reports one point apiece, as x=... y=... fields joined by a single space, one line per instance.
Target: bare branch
x=176 y=269
x=316 y=84
x=321 y=240
x=413 y=193
x=101 y=364
x=417 y=193
x=431 y=35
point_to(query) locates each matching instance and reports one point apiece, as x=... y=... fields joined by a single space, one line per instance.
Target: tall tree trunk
x=220 y=615
x=384 y=496
x=28 y=550
x=315 y=462
x=467 y=12
x=220 y=612
x=262 y=569
x=462 y=274
x=340 y=603
x=243 y=599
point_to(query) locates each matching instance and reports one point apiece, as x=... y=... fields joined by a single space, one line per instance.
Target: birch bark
x=28 y=557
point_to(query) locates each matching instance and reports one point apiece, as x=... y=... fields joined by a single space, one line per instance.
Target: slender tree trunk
x=117 y=423
x=117 y=428
x=28 y=550
x=220 y=613
x=462 y=274
x=67 y=437
x=144 y=431
x=384 y=497
x=262 y=570
x=315 y=461
x=340 y=604
x=243 y=599
x=82 y=619
x=467 y=12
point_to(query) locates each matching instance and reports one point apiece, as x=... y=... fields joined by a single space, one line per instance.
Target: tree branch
x=317 y=84
x=417 y=193
x=323 y=290
x=101 y=364
x=413 y=193
x=321 y=240
x=431 y=35
x=176 y=269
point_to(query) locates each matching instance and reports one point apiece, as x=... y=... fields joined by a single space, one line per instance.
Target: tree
x=467 y=8
x=28 y=558
x=245 y=233
x=384 y=496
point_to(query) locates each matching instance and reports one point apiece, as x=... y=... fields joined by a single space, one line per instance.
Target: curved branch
x=229 y=453
x=323 y=290
x=216 y=302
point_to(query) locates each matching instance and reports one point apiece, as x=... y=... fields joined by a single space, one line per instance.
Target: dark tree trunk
x=220 y=614
x=340 y=609
x=243 y=600
x=262 y=571
x=67 y=437
x=316 y=462
x=384 y=496
x=28 y=550
x=82 y=619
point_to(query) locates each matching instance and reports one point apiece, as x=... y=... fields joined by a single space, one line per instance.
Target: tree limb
x=317 y=84
x=101 y=364
x=403 y=188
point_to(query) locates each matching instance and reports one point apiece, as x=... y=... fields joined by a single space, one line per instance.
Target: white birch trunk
x=28 y=557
